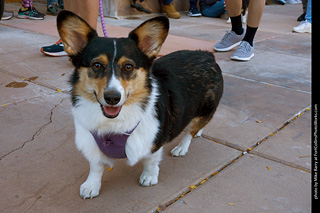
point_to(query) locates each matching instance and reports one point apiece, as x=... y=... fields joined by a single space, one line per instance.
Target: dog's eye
x=128 y=67
x=97 y=67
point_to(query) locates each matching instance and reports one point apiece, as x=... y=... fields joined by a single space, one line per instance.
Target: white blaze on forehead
x=114 y=83
x=114 y=55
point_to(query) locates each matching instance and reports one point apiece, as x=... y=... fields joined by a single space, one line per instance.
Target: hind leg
x=194 y=129
x=199 y=133
x=183 y=146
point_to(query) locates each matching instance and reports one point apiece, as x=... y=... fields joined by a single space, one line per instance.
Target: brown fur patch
x=103 y=59
x=124 y=60
x=136 y=88
x=86 y=86
x=198 y=123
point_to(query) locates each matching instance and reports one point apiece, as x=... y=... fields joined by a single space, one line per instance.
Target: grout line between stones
x=294 y=117
x=249 y=150
x=266 y=83
x=162 y=207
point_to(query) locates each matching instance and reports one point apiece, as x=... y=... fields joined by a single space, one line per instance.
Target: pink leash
x=102 y=20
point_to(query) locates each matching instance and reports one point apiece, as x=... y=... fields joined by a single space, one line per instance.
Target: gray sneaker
x=229 y=41
x=244 y=52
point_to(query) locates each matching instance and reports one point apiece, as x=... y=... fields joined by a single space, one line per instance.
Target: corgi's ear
x=150 y=35
x=74 y=32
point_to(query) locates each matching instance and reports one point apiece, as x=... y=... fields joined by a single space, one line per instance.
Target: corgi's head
x=111 y=71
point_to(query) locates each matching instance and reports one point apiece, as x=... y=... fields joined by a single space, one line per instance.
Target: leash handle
x=102 y=20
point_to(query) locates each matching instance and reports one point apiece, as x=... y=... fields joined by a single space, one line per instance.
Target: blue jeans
x=166 y=2
x=214 y=10
x=309 y=13
x=51 y=2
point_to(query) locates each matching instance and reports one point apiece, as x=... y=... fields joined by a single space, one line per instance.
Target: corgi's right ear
x=74 y=32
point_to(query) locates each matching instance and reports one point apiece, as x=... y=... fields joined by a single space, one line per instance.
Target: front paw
x=148 y=179
x=90 y=189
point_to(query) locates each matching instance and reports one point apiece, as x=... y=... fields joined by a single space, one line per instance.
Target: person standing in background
x=237 y=35
x=54 y=6
x=305 y=26
x=27 y=11
x=169 y=9
x=86 y=9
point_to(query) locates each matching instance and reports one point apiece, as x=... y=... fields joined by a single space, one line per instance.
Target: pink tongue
x=112 y=111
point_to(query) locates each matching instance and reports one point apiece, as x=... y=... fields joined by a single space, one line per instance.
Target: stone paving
x=254 y=156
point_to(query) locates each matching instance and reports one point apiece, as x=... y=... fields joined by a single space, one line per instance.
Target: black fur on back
x=191 y=85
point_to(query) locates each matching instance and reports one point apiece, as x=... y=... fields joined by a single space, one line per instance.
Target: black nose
x=112 y=97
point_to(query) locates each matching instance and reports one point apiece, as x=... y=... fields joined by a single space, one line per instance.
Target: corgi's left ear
x=150 y=35
x=74 y=32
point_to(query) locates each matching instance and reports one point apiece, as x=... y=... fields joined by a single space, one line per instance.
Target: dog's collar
x=113 y=145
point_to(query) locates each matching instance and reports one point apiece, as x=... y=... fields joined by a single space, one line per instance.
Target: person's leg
x=305 y=26
x=72 y=5
x=51 y=2
x=215 y=10
x=166 y=2
x=86 y=9
x=57 y=49
x=309 y=12
x=233 y=7
x=193 y=11
x=234 y=10
x=27 y=3
x=169 y=9
x=304 y=9
x=51 y=7
x=255 y=11
x=234 y=37
x=61 y=3
x=193 y=3
x=245 y=50
x=89 y=11
x=27 y=11
x=304 y=5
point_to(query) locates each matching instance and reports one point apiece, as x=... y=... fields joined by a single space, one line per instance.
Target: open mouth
x=110 y=112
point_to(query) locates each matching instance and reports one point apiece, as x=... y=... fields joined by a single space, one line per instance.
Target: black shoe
x=54 y=50
x=194 y=12
x=302 y=17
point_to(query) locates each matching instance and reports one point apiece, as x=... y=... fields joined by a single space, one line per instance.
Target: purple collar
x=113 y=145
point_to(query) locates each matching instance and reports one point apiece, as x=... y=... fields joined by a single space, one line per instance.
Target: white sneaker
x=303 y=27
x=293 y=2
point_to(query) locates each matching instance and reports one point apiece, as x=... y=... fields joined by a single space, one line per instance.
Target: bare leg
x=255 y=11
x=90 y=11
x=72 y=5
x=86 y=9
x=234 y=7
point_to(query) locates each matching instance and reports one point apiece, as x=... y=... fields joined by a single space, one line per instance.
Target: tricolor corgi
x=128 y=104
